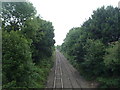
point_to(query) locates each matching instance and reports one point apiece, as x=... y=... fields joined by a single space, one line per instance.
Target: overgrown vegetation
x=28 y=46
x=94 y=48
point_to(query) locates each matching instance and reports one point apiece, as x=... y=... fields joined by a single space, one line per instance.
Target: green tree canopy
x=14 y=14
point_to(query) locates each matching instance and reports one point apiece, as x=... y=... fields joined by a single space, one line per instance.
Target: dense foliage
x=94 y=48
x=28 y=46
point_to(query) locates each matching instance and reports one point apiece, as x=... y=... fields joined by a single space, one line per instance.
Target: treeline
x=94 y=47
x=27 y=48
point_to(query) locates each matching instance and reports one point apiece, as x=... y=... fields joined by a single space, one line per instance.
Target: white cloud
x=66 y=14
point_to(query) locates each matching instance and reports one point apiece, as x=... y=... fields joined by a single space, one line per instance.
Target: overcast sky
x=66 y=14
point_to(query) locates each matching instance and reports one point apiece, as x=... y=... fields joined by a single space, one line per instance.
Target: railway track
x=63 y=75
x=58 y=82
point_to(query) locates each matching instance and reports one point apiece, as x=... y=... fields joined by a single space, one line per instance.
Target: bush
x=112 y=65
x=109 y=82
x=16 y=58
x=112 y=58
x=93 y=60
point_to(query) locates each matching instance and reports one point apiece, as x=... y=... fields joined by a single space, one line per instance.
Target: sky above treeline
x=66 y=14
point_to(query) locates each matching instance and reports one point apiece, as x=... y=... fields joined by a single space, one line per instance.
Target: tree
x=93 y=59
x=28 y=46
x=43 y=42
x=93 y=48
x=16 y=59
x=112 y=58
x=104 y=24
x=14 y=14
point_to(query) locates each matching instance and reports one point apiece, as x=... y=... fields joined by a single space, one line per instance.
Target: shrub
x=16 y=58
x=112 y=58
x=93 y=60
